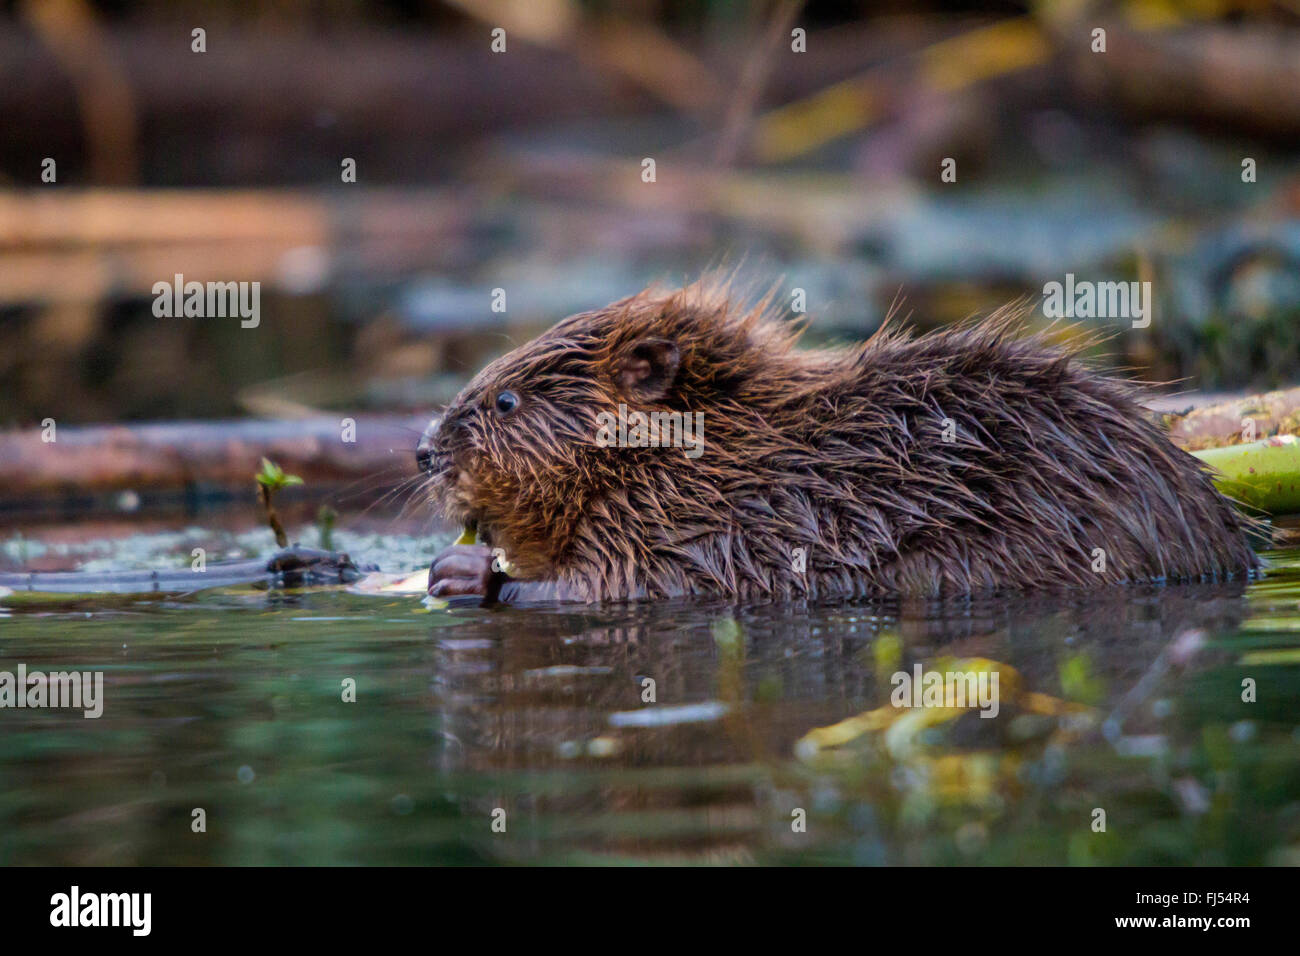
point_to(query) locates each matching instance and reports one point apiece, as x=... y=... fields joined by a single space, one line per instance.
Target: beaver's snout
x=424 y=447
x=436 y=454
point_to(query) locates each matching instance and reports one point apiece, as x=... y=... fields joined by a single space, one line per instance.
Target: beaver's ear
x=647 y=369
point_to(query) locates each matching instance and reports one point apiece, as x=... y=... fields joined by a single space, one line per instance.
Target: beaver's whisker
x=405 y=486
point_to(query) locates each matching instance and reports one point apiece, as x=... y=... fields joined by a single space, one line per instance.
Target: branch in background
x=739 y=118
x=637 y=51
x=852 y=105
x=68 y=28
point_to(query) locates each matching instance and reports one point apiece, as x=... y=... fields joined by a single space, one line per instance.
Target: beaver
x=973 y=459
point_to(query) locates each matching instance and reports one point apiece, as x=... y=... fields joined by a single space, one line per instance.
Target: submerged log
x=294 y=567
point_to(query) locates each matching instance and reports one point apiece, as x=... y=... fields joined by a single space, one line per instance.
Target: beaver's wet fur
x=838 y=452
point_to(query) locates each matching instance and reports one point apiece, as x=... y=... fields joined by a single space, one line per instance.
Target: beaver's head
x=518 y=452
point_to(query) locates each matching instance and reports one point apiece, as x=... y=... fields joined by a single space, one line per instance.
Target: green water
x=232 y=702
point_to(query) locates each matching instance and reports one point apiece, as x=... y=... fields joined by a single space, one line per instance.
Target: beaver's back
x=981 y=460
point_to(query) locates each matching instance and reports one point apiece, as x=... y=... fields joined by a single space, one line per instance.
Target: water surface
x=231 y=701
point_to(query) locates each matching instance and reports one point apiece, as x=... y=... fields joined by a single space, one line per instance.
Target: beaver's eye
x=507 y=402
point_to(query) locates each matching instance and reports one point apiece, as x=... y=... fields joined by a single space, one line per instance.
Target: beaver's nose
x=424 y=448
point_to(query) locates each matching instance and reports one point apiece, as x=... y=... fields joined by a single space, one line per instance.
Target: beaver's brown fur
x=838 y=452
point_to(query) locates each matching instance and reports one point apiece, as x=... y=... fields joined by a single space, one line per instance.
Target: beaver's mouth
x=472 y=522
x=454 y=495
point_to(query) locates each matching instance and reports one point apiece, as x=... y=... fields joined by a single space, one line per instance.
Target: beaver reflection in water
x=961 y=461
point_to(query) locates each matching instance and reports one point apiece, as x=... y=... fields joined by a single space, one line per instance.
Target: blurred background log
x=1240 y=77
x=189 y=466
x=96 y=245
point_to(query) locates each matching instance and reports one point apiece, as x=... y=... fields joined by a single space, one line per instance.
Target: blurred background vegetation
x=521 y=171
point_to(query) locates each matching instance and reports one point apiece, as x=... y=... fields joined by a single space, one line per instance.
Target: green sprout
x=270 y=480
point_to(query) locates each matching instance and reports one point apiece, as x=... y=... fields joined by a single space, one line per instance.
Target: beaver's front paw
x=465 y=570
